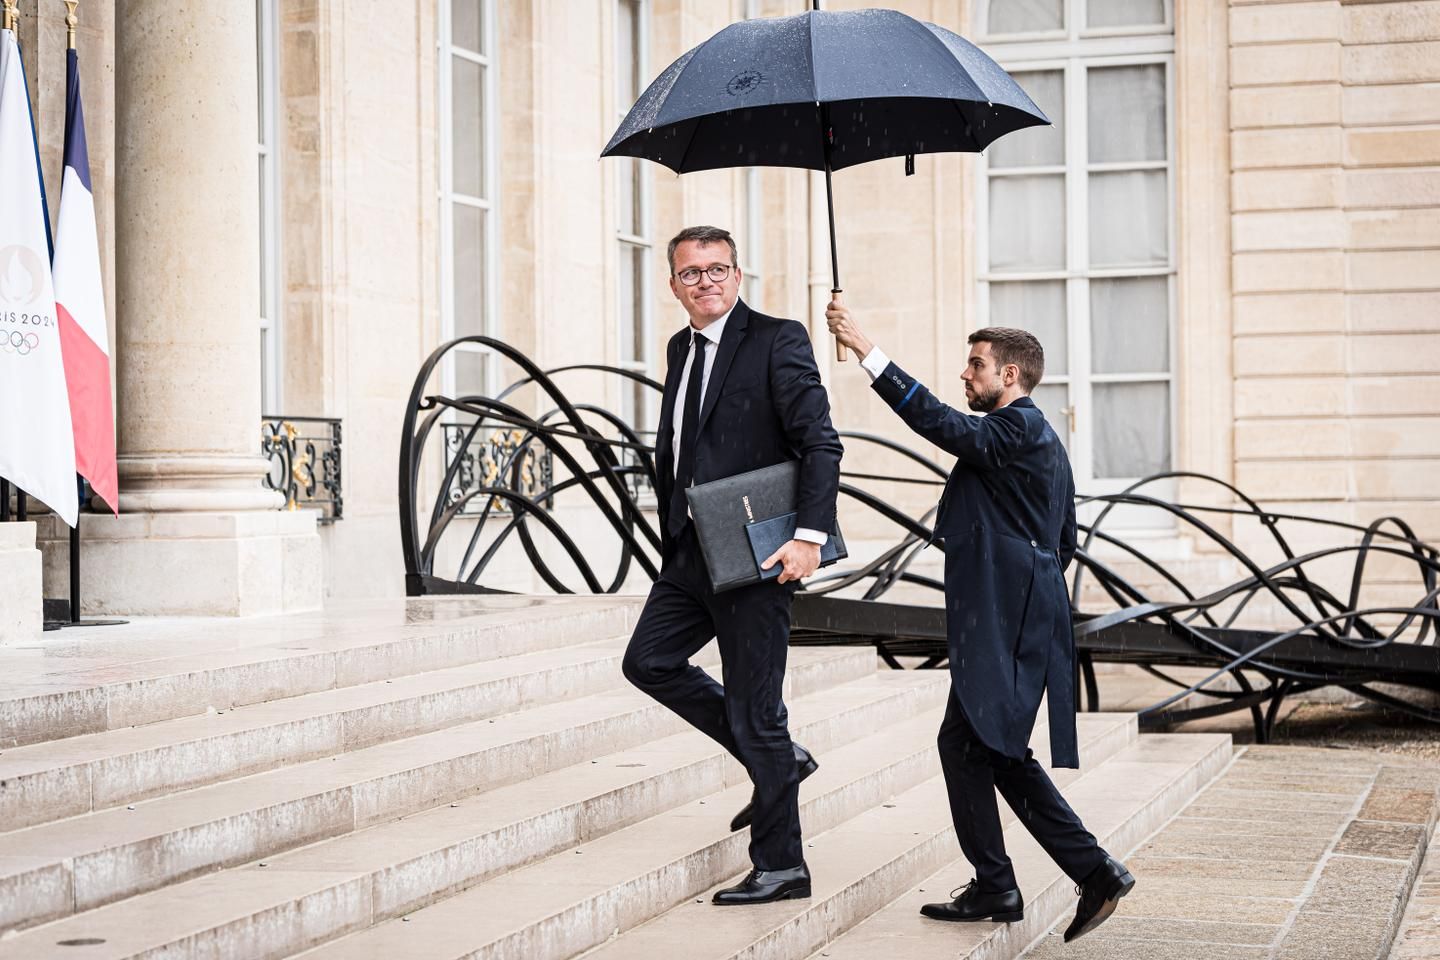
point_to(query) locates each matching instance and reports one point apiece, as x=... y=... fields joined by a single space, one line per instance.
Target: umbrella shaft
x=826 y=136
x=830 y=209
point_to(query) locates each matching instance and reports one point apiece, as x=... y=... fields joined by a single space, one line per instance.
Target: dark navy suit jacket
x=1008 y=520
x=764 y=405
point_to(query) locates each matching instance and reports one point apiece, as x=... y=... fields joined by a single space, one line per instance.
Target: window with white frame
x=1076 y=224
x=632 y=218
x=269 y=306
x=468 y=215
x=752 y=246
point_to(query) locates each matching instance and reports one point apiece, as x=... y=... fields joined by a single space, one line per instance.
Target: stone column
x=197 y=533
x=187 y=257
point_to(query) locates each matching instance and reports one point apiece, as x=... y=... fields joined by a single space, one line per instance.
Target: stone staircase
x=473 y=778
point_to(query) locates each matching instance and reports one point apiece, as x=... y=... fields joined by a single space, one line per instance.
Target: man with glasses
x=742 y=392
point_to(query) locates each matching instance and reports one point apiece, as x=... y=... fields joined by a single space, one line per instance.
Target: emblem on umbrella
x=746 y=82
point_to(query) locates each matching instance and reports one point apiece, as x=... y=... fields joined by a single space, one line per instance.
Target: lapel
x=729 y=343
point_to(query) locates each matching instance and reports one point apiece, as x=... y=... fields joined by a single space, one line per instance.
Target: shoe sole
x=799 y=893
x=1015 y=917
x=1124 y=885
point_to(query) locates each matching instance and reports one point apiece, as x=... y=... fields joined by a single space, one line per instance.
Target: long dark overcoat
x=1008 y=521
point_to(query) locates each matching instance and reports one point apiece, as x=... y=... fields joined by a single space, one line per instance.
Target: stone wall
x=1336 y=234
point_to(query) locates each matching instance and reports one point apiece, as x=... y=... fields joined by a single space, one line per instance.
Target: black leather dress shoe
x=1099 y=893
x=767 y=886
x=806 y=764
x=971 y=903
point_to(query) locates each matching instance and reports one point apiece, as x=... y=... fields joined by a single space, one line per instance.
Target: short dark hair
x=704 y=236
x=1010 y=345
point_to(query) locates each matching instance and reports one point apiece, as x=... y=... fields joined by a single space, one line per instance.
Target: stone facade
x=1335 y=228
x=1307 y=211
x=1335 y=225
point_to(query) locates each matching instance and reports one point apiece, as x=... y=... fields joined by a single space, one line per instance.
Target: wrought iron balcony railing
x=487 y=457
x=304 y=454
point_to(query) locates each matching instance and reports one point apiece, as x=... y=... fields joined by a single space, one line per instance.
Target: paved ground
x=1308 y=847
x=1294 y=853
x=1419 y=936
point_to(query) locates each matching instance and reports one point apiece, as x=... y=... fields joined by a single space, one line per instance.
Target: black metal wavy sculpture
x=1314 y=638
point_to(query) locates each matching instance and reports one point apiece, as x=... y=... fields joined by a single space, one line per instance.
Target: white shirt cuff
x=875 y=362
x=812 y=536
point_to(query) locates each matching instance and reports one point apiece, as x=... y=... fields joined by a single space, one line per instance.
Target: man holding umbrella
x=742 y=392
x=1007 y=517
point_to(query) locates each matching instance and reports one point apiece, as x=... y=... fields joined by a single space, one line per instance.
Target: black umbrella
x=823 y=91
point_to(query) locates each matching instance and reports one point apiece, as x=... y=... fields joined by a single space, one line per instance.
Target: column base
x=21 y=620
x=209 y=564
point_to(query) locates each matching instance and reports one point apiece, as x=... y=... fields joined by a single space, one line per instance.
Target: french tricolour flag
x=80 y=307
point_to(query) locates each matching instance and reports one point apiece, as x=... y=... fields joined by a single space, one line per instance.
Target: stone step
x=579 y=899
x=49 y=781
x=857 y=869
x=59 y=868
x=388 y=868
x=1122 y=802
x=58 y=689
x=43 y=782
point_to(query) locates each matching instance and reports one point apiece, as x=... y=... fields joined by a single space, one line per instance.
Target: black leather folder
x=741 y=520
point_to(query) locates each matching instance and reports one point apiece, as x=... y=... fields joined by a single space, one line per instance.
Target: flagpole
x=70 y=22
x=5 y=484
x=12 y=14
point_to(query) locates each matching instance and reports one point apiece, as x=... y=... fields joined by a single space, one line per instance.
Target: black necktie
x=689 y=426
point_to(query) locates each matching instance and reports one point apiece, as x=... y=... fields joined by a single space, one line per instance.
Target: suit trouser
x=973 y=772
x=746 y=716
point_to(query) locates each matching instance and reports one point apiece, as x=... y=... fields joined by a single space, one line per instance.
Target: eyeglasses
x=717 y=272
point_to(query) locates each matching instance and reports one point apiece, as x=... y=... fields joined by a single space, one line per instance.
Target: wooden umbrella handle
x=841 y=353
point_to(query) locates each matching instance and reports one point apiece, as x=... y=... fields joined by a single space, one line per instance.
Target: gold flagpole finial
x=12 y=13
x=70 y=21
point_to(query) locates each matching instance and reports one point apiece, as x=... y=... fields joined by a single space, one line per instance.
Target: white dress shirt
x=713 y=332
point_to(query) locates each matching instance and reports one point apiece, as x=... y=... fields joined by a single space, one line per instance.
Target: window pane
x=466 y=25
x=261 y=57
x=635 y=276
x=1038 y=307
x=264 y=227
x=631 y=291
x=1025 y=16
x=1036 y=146
x=467 y=110
x=629 y=212
x=469 y=270
x=1027 y=223
x=1125 y=13
x=1052 y=399
x=632 y=327
x=469 y=372
x=1132 y=429
x=1127 y=113
x=265 y=372
x=1130 y=325
x=627 y=36
x=1129 y=222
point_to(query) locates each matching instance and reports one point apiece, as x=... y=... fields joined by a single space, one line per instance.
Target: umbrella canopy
x=766 y=92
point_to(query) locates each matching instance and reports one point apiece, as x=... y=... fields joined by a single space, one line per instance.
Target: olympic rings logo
x=18 y=341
